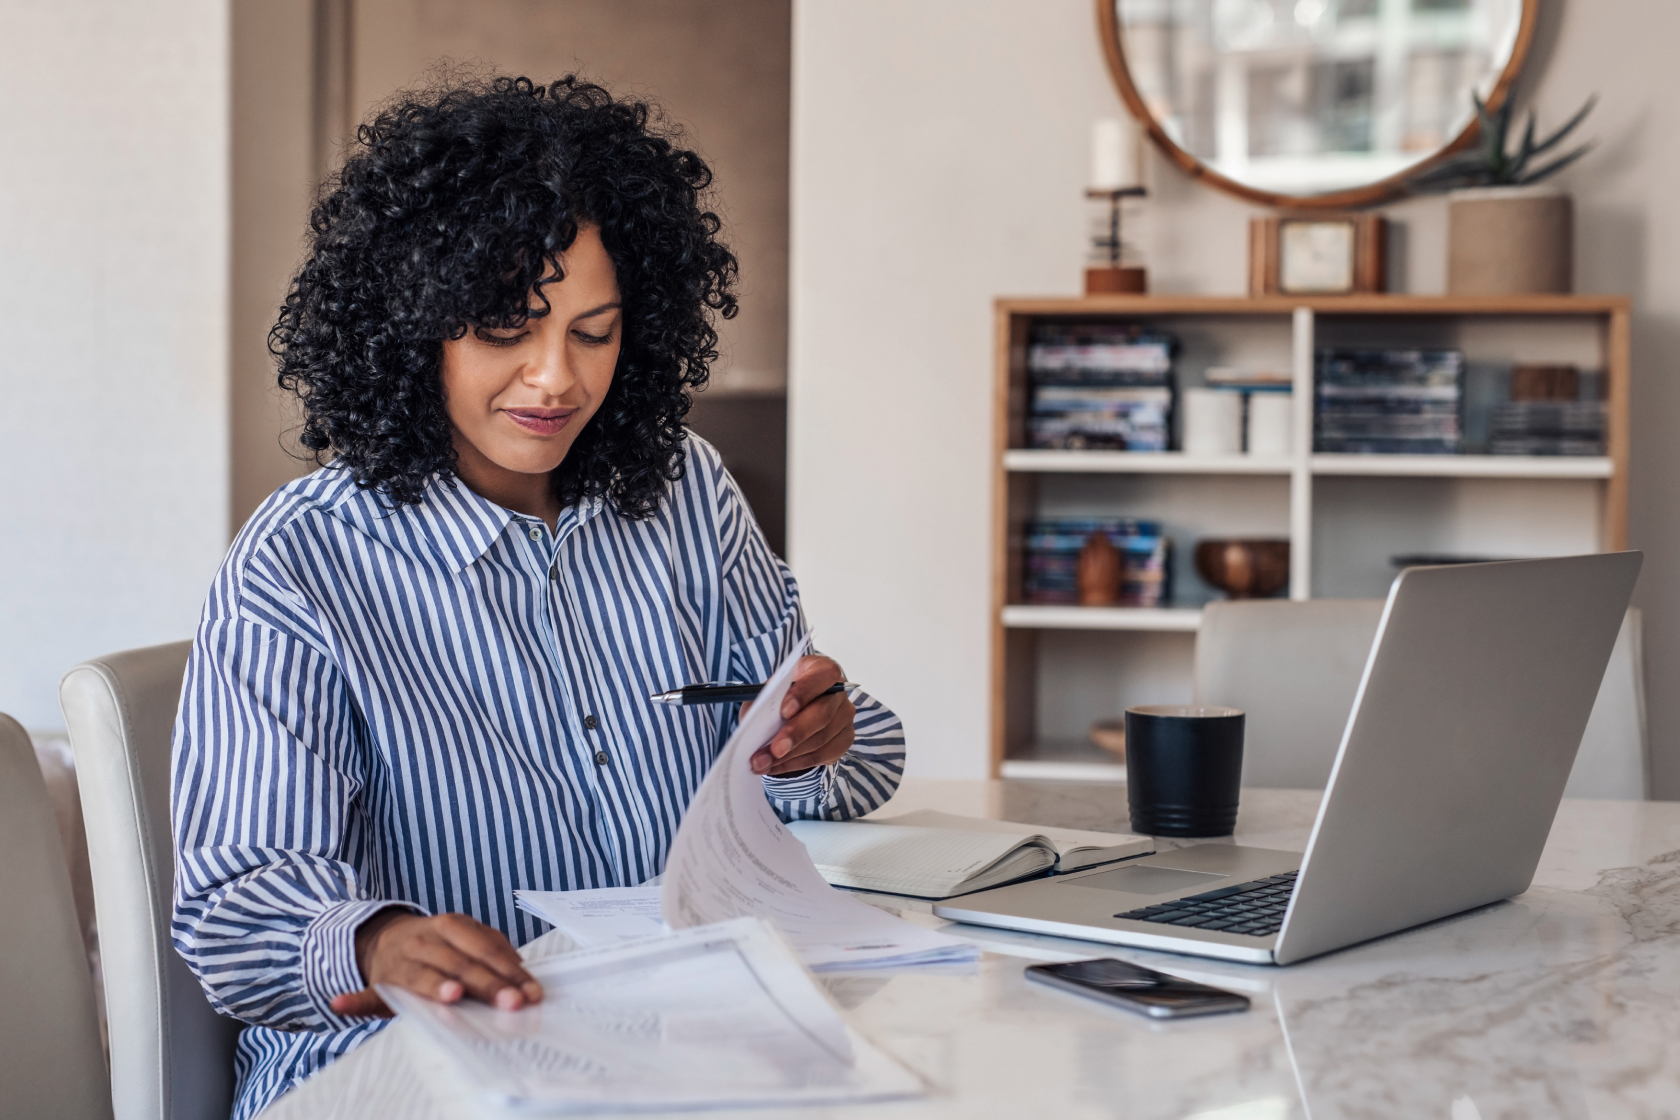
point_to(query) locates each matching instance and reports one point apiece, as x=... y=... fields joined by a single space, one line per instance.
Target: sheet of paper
x=733 y=857
x=619 y=914
x=602 y=916
x=712 y=1017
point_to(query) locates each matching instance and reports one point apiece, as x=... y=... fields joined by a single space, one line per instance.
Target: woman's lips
x=540 y=421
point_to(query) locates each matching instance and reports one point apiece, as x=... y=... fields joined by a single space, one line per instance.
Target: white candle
x=1270 y=418
x=1212 y=422
x=1114 y=153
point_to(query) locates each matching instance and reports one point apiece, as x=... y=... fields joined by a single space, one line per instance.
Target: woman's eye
x=500 y=339
x=593 y=339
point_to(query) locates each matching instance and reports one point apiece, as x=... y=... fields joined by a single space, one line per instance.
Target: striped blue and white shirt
x=444 y=703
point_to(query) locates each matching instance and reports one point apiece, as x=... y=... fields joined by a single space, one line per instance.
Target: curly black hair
x=450 y=209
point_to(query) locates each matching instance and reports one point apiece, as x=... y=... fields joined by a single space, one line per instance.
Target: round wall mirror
x=1318 y=103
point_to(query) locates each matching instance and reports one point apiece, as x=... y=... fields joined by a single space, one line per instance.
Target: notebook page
x=1066 y=841
x=927 y=862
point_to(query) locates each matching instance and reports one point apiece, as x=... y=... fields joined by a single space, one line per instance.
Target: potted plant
x=1505 y=232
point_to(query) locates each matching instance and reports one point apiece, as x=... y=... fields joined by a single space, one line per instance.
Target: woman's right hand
x=442 y=958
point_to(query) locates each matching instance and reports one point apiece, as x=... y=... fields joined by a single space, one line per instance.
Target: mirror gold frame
x=1383 y=190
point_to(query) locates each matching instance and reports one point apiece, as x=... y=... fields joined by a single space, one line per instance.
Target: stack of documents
x=719 y=1016
x=692 y=995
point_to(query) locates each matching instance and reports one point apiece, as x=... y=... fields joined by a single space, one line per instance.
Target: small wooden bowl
x=1245 y=569
x=1110 y=735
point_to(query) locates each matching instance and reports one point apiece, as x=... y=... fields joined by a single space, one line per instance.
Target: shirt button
x=600 y=758
x=590 y=723
x=536 y=533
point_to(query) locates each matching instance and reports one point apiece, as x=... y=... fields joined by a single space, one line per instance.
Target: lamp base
x=1116 y=281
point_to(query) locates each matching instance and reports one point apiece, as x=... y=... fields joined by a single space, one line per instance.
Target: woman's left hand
x=816 y=729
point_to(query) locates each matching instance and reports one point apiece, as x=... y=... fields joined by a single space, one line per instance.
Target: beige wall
x=719 y=67
x=113 y=307
x=273 y=178
x=939 y=152
x=1627 y=198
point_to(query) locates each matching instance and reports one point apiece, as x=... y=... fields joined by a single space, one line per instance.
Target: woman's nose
x=552 y=370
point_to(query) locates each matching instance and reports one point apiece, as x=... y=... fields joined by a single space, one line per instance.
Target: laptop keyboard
x=1254 y=908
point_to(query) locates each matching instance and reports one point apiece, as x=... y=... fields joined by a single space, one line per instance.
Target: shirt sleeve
x=767 y=625
x=267 y=770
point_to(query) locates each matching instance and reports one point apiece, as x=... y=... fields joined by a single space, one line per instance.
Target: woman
x=421 y=680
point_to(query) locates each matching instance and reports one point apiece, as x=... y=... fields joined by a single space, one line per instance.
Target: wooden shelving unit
x=1028 y=617
x=1340 y=512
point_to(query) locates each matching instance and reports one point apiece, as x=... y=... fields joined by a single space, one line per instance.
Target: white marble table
x=1564 y=1002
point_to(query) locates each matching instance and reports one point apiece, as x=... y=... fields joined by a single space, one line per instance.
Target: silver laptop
x=1462 y=735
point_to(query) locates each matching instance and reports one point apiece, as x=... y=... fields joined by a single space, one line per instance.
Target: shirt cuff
x=329 y=953
x=797 y=787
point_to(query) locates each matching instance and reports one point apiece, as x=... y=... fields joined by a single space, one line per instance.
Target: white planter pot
x=1510 y=240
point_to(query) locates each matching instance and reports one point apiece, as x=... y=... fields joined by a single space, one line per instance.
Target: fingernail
x=509 y=999
x=760 y=764
x=533 y=990
x=449 y=991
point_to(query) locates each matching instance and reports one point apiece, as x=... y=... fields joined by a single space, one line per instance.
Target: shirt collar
x=461 y=525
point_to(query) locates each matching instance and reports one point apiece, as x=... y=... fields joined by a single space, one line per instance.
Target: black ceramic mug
x=1183 y=769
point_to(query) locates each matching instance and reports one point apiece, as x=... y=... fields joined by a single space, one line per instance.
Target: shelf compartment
x=1063 y=761
x=1033 y=770
x=1035 y=617
x=1465 y=466
x=1138 y=462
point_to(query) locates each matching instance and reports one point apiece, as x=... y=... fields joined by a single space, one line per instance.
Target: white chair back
x=171 y=1053
x=1294 y=668
x=1615 y=759
x=51 y=1061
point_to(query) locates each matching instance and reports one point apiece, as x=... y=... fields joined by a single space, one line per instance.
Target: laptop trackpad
x=1144 y=880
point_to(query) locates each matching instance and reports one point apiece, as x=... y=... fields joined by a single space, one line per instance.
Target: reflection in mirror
x=1308 y=97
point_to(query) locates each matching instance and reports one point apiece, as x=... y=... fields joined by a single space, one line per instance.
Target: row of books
x=1397 y=402
x=1100 y=387
x=1111 y=387
x=1052 y=559
x=1547 y=428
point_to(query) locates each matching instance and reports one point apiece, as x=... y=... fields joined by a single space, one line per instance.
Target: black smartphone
x=1136 y=988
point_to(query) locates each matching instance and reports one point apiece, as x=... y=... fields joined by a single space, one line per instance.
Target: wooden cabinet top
x=1323 y=305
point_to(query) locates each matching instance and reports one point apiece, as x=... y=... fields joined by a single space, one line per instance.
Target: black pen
x=729 y=692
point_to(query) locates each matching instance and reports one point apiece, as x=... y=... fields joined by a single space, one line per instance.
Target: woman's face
x=518 y=397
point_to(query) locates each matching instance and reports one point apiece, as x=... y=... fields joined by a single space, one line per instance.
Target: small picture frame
x=1317 y=254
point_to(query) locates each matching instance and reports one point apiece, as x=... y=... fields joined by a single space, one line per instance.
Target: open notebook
x=929 y=854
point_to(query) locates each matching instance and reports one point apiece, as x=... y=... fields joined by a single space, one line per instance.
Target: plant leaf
x=1493 y=140
x=1464 y=163
x=1557 y=165
x=1557 y=137
x=1464 y=170
x=1525 y=150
